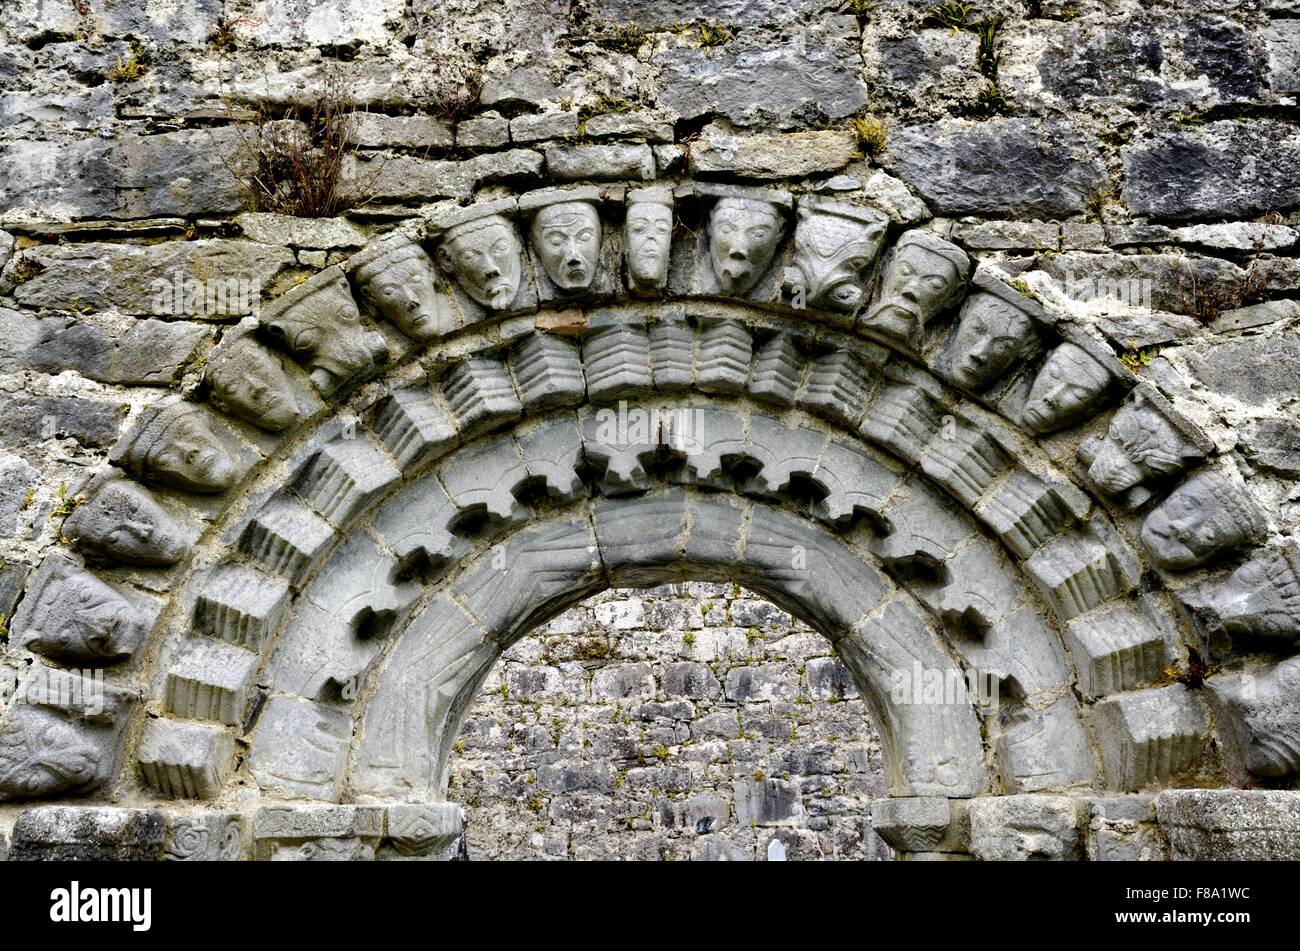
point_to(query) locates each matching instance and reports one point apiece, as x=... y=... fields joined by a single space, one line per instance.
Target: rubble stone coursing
x=1008 y=389
x=688 y=721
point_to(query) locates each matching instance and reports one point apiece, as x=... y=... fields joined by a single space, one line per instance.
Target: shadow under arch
x=421 y=692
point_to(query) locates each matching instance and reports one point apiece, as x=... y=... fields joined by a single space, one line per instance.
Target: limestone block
x=548 y=372
x=767 y=803
x=570 y=163
x=1123 y=829
x=1149 y=736
x=618 y=443
x=210 y=680
x=1115 y=650
x=482 y=479
x=71 y=616
x=344 y=477
x=62 y=734
x=1024 y=827
x=1078 y=572
x=185 y=760
x=414 y=427
x=530 y=578
x=285 y=537
x=640 y=538
x=782 y=453
x=239 y=605
x=771 y=156
x=838 y=386
x=1045 y=749
x=1025 y=512
x=415 y=523
x=424 y=689
x=424 y=828
x=552 y=451
x=904 y=419
x=617 y=362
x=672 y=344
x=777 y=370
x=711 y=437
x=1245 y=825
x=921 y=824
x=966 y=461
x=87 y=833
x=299 y=748
x=205 y=837
x=317 y=833
x=480 y=395
x=855 y=481
x=722 y=363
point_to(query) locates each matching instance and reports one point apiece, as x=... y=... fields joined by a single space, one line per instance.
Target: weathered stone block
x=1149 y=736
x=1025 y=827
x=1245 y=825
x=185 y=760
x=205 y=837
x=1115 y=650
x=210 y=680
x=344 y=477
x=299 y=749
x=87 y=834
x=239 y=605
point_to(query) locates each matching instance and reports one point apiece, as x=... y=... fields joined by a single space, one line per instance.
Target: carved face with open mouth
x=566 y=236
x=743 y=235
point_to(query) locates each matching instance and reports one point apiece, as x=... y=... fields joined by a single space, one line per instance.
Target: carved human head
x=483 y=255
x=1069 y=384
x=319 y=322
x=648 y=234
x=1261 y=719
x=396 y=280
x=923 y=277
x=174 y=444
x=1262 y=597
x=835 y=245
x=743 y=236
x=72 y=616
x=120 y=521
x=992 y=331
x=1206 y=515
x=1139 y=444
x=566 y=236
x=248 y=381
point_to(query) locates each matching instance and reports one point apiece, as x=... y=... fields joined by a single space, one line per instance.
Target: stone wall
x=1011 y=349
x=692 y=721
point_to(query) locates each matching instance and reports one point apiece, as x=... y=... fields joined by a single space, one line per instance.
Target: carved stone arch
x=922 y=442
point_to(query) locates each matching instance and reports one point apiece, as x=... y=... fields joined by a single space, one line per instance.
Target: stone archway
x=342 y=549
